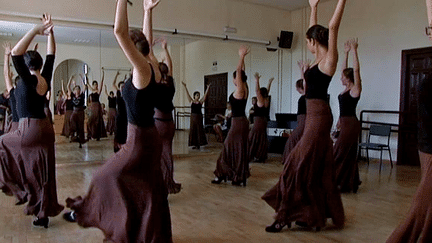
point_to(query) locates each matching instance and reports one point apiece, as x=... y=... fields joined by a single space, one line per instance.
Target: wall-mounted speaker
x=285 y=39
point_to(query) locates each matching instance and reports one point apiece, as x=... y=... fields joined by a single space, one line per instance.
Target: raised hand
x=257 y=76
x=243 y=50
x=354 y=43
x=150 y=4
x=164 y=44
x=347 y=46
x=7 y=48
x=184 y=84
x=313 y=3
x=271 y=79
x=304 y=65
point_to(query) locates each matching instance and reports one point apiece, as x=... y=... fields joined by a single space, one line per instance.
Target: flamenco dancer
x=417 y=227
x=306 y=191
x=197 y=136
x=13 y=125
x=77 y=116
x=112 y=113
x=345 y=148
x=68 y=106
x=127 y=198
x=258 y=143
x=27 y=155
x=233 y=161
x=120 y=132
x=301 y=113
x=95 y=123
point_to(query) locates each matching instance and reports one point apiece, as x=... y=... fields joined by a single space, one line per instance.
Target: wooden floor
x=203 y=212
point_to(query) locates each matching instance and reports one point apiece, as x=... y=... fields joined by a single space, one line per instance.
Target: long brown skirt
x=66 y=131
x=111 y=126
x=294 y=137
x=233 y=161
x=77 y=124
x=197 y=136
x=127 y=198
x=95 y=122
x=417 y=227
x=48 y=114
x=166 y=128
x=258 y=143
x=27 y=170
x=345 y=155
x=11 y=126
x=306 y=190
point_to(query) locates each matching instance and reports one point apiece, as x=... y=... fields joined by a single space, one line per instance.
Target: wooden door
x=217 y=96
x=416 y=64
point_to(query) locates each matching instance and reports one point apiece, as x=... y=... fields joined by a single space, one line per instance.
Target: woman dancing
x=221 y=129
x=77 y=116
x=110 y=127
x=127 y=198
x=306 y=191
x=95 y=122
x=258 y=143
x=197 y=136
x=345 y=148
x=68 y=105
x=120 y=132
x=233 y=161
x=417 y=227
x=13 y=125
x=27 y=155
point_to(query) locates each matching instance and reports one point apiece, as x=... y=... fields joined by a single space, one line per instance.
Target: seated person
x=222 y=129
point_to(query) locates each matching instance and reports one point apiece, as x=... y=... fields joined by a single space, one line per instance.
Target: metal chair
x=378 y=131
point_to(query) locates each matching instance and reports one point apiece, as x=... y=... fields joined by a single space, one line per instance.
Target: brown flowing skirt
x=197 y=136
x=417 y=227
x=59 y=107
x=48 y=114
x=345 y=154
x=77 y=124
x=258 y=143
x=294 y=137
x=127 y=198
x=11 y=126
x=112 y=113
x=233 y=161
x=306 y=190
x=166 y=128
x=95 y=123
x=66 y=131
x=27 y=170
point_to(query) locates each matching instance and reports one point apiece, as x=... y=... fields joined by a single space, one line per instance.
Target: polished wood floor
x=203 y=212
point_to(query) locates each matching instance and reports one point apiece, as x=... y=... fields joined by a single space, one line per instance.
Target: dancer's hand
x=184 y=84
x=304 y=65
x=313 y=3
x=243 y=50
x=354 y=43
x=47 y=25
x=164 y=44
x=150 y=4
x=347 y=46
x=257 y=76
x=7 y=48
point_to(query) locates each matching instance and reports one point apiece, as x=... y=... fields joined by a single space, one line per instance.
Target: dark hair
x=319 y=33
x=77 y=86
x=163 y=69
x=140 y=41
x=349 y=73
x=33 y=60
x=196 y=92
x=17 y=78
x=94 y=82
x=120 y=83
x=111 y=93
x=299 y=84
x=243 y=75
x=254 y=98
x=264 y=92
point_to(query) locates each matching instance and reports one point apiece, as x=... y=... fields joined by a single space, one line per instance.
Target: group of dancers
x=128 y=196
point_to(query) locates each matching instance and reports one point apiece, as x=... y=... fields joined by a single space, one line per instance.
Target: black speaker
x=285 y=39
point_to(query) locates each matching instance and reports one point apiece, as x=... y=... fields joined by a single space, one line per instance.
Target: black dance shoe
x=41 y=222
x=70 y=216
x=276 y=227
x=218 y=180
x=239 y=183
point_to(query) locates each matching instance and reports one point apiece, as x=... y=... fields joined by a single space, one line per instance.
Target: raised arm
x=347 y=48
x=106 y=91
x=269 y=84
x=429 y=11
x=148 y=23
x=187 y=92
x=240 y=88
x=51 y=44
x=102 y=82
x=357 y=89
x=6 y=66
x=142 y=71
x=314 y=12
x=114 y=84
x=330 y=64
x=304 y=65
x=69 y=89
x=168 y=58
x=204 y=98
x=260 y=98
x=84 y=80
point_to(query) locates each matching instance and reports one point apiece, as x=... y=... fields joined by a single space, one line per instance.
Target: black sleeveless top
x=347 y=104
x=165 y=94
x=29 y=103
x=121 y=106
x=196 y=108
x=69 y=105
x=262 y=111
x=94 y=97
x=12 y=104
x=301 y=107
x=317 y=83
x=238 y=106
x=78 y=101
x=140 y=102
x=424 y=110
x=112 y=102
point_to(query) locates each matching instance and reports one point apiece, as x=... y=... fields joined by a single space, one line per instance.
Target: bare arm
x=240 y=87
x=142 y=71
x=260 y=98
x=357 y=89
x=168 y=58
x=347 y=48
x=6 y=66
x=51 y=46
x=204 y=98
x=269 y=84
x=115 y=81
x=106 y=91
x=187 y=92
x=69 y=89
x=314 y=12
x=148 y=23
x=102 y=81
x=304 y=65
x=429 y=11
